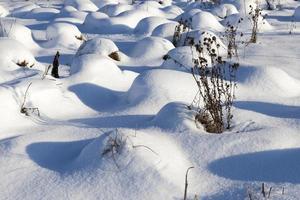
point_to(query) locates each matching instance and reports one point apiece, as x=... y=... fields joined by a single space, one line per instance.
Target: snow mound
x=139 y=154
x=151 y=48
x=99 y=70
x=155 y=88
x=8 y=56
x=206 y=21
x=148 y=24
x=82 y=5
x=103 y=24
x=42 y=13
x=113 y=10
x=297 y=14
x=71 y=12
x=165 y=30
x=97 y=45
x=92 y=19
x=12 y=29
x=172 y=11
x=188 y=15
x=269 y=81
x=175 y=116
x=3 y=11
x=63 y=34
x=23 y=10
x=225 y=10
x=65 y=105
x=181 y=58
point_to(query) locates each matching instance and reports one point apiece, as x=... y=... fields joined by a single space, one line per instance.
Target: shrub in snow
x=230 y=35
x=63 y=34
x=255 y=14
x=216 y=87
x=181 y=28
x=99 y=46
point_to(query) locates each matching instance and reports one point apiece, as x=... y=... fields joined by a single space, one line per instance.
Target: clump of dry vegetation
x=216 y=82
x=115 y=55
x=24 y=63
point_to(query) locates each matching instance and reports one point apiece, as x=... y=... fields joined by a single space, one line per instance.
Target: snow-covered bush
x=63 y=34
x=100 y=46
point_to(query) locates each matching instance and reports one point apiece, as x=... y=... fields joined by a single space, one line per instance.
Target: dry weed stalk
x=255 y=14
x=216 y=85
x=181 y=28
x=28 y=110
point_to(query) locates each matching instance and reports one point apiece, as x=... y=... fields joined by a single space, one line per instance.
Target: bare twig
x=186 y=183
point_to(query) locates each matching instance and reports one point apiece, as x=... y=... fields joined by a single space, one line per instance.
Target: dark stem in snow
x=186 y=182
x=55 y=65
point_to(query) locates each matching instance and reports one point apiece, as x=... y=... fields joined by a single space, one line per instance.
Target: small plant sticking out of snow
x=55 y=65
x=292 y=27
x=186 y=183
x=115 y=55
x=114 y=147
x=216 y=86
x=24 y=63
x=231 y=37
x=255 y=14
x=182 y=27
x=117 y=144
x=28 y=110
x=265 y=192
x=81 y=38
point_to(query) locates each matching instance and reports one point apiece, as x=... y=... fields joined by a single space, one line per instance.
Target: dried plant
x=255 y=14
x=181 y=28
x=81 y=38
x=216 y=86
x=263 y=192
x=231 y=34
x=292 y=27
x=115 y=55
x=114 y=146
x=186 y=183
x=24 y=63
x=28 y=110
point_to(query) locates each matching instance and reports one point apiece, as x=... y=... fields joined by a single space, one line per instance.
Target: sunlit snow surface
x=142 y=99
